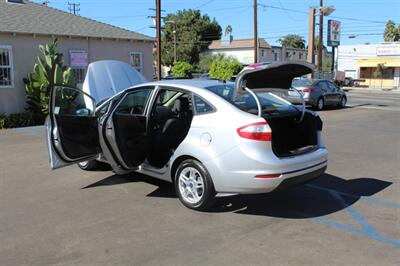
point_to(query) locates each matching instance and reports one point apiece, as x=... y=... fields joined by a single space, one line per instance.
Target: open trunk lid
x=274 y=76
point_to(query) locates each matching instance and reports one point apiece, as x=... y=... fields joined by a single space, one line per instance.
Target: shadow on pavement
x=307 y=201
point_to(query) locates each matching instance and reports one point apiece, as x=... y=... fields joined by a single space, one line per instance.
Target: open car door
x=71 y=127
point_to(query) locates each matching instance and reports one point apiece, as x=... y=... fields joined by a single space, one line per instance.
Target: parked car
x=317 y=93
x=204 y=136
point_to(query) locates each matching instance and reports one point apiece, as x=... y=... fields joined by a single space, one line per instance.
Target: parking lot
x=351 y=215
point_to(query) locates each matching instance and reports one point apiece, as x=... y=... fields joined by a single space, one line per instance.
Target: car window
x=223 y=90
x=134 y=102
x=323 y=86
x=301 y=83
x=270 y=102
x=103 y=109
x=202 y=106
x=332 y=86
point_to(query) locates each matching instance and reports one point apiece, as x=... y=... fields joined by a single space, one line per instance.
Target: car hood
x=109 y=77
x=274 y=76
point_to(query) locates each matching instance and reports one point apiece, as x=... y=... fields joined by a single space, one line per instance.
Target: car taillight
x=254 y=65
x=257 y=131
x=307 y=90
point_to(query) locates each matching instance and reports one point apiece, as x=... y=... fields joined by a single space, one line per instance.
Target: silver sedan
x=208 y=138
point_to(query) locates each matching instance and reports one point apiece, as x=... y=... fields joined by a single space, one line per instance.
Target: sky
x=365 y=19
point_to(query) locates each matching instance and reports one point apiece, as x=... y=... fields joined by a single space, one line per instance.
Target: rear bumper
x=230 y=176
x=307 y=101
x=301 y=179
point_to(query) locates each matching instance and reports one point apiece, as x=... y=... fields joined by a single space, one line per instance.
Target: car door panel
x=130 y=134
x=79 y=135
x=72 y=127
x=126 y=127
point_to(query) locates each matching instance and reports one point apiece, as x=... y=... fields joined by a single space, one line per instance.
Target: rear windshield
x=301 y=83
x=271 y=100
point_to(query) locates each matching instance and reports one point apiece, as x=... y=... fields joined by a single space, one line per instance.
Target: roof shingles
x=35 y=18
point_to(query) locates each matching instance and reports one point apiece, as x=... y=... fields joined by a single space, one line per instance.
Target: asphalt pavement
x=349 y=216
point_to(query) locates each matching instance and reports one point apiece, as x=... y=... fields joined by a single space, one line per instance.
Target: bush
x=206 y=60
x=182 y=70
x=18 y=120
x=3 y=119
x=225 y=69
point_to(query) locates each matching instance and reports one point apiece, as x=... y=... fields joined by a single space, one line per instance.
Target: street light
x=322 y=11
x=172 y=22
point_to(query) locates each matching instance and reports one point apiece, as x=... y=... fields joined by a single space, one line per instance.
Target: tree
x=293 y=41
x=182 y=70
x=206 y=60
x=194 y=33
x=391 y=33
x=378 y=73
x=225 y=69
x=48 y=70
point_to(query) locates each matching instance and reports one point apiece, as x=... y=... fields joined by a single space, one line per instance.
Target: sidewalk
x=371 y=89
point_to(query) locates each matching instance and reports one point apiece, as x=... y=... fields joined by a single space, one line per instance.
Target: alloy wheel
x=191 y=185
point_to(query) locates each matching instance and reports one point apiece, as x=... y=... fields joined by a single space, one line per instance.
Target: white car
x=206 y=137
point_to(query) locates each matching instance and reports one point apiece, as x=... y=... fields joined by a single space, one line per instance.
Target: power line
x=74 y=8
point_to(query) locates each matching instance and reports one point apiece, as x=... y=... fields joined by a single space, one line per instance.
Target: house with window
x=375 y=65
x=243 y=50
x=25 y=25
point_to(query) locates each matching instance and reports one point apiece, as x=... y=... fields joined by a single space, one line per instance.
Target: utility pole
x=311 y=36
x=320 y=42
x=158 y=36
x=255 y=33
x=74 y=8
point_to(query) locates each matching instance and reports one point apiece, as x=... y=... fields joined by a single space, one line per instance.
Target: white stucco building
x=361 y=62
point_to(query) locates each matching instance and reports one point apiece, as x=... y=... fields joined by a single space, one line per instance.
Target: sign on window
x=78 y=58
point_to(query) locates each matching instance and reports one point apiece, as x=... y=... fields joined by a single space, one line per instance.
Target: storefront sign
x=333 y=33
x=78 y=58
x=387 y=50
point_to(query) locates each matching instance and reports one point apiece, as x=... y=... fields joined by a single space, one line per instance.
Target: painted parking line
x=366 y=229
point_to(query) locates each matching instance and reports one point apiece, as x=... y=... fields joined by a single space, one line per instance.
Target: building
x=362 y=61
x=25 y=25
x=243 y=50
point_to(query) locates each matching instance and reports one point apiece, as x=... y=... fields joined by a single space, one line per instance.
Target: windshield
x=271 y=100
x=301 y=83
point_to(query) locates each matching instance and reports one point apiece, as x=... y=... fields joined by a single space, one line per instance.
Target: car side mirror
x=83 y=112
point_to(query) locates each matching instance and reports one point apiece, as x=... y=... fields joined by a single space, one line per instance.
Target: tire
x=320 y=104
x=194 y=186
x=343 y=102
x=93 y=165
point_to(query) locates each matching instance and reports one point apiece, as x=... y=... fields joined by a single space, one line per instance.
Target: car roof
x=200 y=83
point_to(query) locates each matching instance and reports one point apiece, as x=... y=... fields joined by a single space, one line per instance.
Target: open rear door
x=71 y=127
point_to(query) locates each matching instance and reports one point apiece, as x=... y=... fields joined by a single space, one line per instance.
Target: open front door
x=71 y=128
x=126 y=128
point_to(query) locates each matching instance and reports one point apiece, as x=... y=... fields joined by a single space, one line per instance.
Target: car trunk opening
x=293 y=131
x=291 y=137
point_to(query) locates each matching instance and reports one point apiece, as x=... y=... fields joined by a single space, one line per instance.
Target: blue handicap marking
x=366 y=230
x=37 y=131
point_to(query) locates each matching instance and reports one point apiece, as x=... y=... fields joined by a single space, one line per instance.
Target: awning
x=373 y=62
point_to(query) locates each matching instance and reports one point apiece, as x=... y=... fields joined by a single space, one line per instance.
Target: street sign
x=333 y=33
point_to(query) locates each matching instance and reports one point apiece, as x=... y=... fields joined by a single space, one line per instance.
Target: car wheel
x=320 y=104
x=343 y=102
x=92 y=165
x=194 y=186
